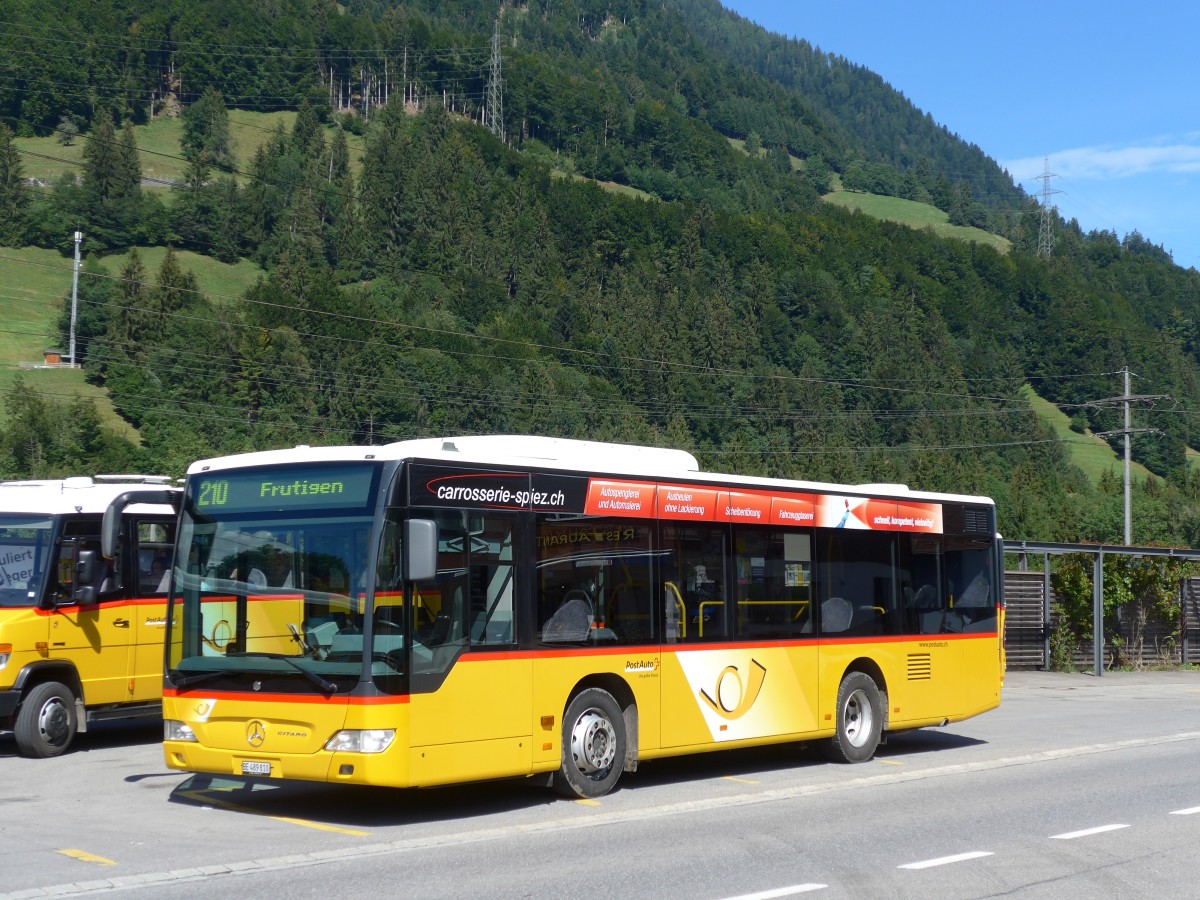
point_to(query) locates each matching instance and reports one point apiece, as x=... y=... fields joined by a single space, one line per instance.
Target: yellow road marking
x=87 y=857
x=740 y=780
x=201 y=797
x=589 y=802
x=891 y=762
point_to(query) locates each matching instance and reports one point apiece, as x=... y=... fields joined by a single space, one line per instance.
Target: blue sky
x=1109 y=92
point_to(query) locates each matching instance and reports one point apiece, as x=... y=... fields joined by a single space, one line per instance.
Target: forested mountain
x=465 y=271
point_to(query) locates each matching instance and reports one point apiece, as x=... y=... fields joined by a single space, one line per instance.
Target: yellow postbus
x=81 y=632
x=486 y=607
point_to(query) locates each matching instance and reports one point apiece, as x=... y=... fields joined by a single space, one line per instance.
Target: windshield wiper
x=327 y=686
x=198 y=678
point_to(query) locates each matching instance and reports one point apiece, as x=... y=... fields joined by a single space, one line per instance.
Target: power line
x=173 y=410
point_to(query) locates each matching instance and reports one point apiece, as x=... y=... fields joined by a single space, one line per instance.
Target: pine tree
x=128 y=314
x=130 y=171
x=176 y=288
x=228 y=218
x=339 y=157
x=306 y=138
x=338 y=209
x=206 y=130
x=102 y=164
x=259 y=197
x=31 y=431
x=111 y=183
x=192 y=213
x=14 y=195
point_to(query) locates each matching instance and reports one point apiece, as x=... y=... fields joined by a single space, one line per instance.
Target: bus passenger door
x=471 y=702
x=96 y=638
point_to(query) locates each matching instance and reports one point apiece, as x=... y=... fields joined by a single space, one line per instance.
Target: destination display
x=279 y=489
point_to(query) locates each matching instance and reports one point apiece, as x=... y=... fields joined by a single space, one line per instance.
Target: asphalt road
x=1076 y=786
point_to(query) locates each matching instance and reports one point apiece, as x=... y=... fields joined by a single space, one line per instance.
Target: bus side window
x=594 y=582
x=694 y=577
x=155 y=540
x=857 y=568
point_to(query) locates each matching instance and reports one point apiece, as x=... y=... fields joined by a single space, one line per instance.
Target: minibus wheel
x=46 y=722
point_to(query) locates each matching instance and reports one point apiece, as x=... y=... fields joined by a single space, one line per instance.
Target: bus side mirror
x=420 y=549
x=85 y=577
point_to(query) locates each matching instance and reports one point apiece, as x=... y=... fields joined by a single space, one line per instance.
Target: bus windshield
x=272 y=578
x=24 y=558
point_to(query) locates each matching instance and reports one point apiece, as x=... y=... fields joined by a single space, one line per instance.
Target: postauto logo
x=732 y=698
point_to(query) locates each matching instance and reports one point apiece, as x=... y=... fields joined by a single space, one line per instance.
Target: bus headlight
x=174 y=730
x=5 y=652
x=371 y=740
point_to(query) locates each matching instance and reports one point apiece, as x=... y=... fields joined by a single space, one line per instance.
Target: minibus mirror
x=420 y=549
x=85 y=567
x=85 y=576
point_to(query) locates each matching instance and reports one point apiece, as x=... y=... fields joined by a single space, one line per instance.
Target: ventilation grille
x=920 y=667
x=977 y=519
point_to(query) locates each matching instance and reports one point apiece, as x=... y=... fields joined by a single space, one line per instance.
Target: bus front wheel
x=593 y=746
x=859 y=720
x=46 y=722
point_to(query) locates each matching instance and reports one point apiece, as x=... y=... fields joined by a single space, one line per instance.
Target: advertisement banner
x=697 y=504
x=744 y=506
x=620 y=498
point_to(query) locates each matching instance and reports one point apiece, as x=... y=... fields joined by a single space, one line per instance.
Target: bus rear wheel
x=46 y=721
x=593 y=746
x=859 y=720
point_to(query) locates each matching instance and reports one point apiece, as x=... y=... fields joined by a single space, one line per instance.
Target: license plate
x=252 y=767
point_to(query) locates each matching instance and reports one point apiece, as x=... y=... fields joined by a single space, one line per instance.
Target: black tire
x=593 y=746
x=46 y=722
x=859 y=720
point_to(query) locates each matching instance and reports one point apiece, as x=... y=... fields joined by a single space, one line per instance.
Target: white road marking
x=1186 y=812
x=946 y=860
x=1087 y=832
x=790 y=891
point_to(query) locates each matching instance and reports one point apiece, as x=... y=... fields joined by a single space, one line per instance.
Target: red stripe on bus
x=627 y=649
x=342 y=700
x=107 y=604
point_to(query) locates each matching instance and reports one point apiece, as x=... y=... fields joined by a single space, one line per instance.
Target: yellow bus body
x=500 y=715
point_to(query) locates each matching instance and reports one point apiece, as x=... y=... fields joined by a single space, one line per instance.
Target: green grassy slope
x=33 y=286
x=160 y=157
x=221 y=282
x=915 y=215
x=35 y=282
x=1090 y=453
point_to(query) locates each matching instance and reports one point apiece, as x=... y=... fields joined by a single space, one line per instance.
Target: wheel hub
x=859 y=718
x=54 y=722
x=593 y=743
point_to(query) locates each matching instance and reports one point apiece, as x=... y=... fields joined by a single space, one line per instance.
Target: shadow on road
x=102 y=736
x=355 y=806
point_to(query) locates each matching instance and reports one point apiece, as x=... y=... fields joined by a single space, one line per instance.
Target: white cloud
x=1106 y=163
